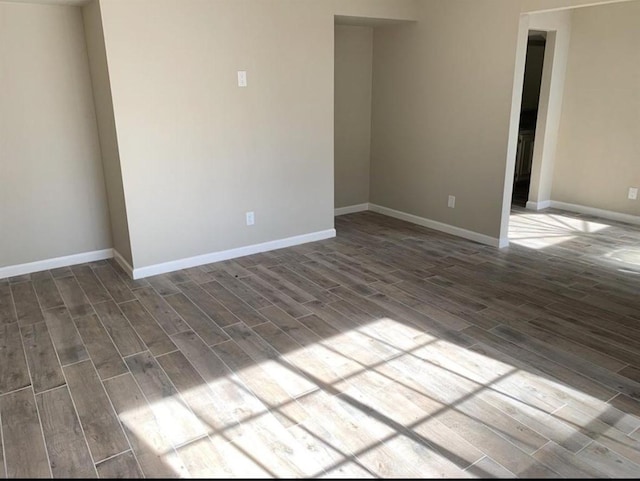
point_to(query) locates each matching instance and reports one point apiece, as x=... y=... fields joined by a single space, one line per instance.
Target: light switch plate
x=633 y=193
x=242 y=78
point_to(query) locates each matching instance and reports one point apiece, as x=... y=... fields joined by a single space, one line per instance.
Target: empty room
x=319 y=238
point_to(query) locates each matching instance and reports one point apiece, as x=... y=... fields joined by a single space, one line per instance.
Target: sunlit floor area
x=389 y=351
x=577 y=237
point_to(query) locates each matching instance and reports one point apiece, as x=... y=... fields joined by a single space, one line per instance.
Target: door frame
x=557 y=25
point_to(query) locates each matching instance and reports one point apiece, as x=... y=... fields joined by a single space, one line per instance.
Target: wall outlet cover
x=242 y=78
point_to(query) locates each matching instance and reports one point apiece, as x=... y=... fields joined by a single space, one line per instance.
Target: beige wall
x=352 y=103
x=52 y=195
x=107 y=129
x=198 y=152
x=373 y=9
x=598 y=156
x=552 y=88
x=442 y=95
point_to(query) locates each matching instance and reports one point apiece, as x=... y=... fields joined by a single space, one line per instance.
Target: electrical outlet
x=251 y=219
x=633 y=193
x=452 y=201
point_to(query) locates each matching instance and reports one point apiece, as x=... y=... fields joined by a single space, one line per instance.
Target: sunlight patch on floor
x=538 y=230
x=626 y=256
x=393 y=410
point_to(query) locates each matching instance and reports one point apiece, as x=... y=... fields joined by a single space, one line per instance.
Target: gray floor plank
x=216 y=458
x=276 y=297
x=25 y=453
x=163 y=285
x=26 y=303
x=237 y=403
x=210 y=306
x=242 y=311
x=100 y=423
x=74 y=297
x=330 y=271
x=7 y=309
x=266 y=388
x=47 y=293
x=291 y=326
x=597 y=373
x=197 y=320
x=160 y=310
x=100 y=347
x=90 y=284
x=65 y=441
x=293 y=291
x=626 y=404
x=147 y=328
x=248 y=295
x=195 y=391
x=601 y=432
x=539 y=362
x=152 y=448
x=14 y=373
x=65 y=336
x=335 y=463
x=119 y=329
x=113 y=283
x=488 y=468
x=313 y=289
x=312 y=275
x=19 y=279
x=44 y=367
x=174 y=417
x=608 y=461
x=3 y=472
x=61 y=272
x=122 y=466
x=198 y=275
x=565 y=463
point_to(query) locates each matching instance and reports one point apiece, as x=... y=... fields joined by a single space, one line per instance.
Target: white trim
x=152 y=270
x=45 y=264
x=502 y=243
x=432 y=224
x=531 y=205
x=350 y=209
x=123 y=263
x=605 y=214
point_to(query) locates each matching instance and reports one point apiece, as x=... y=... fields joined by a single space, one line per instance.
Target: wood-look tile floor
x=391 y=350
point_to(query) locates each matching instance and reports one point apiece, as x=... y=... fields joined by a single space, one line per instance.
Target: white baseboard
x=43 y=265
x=439 y=226
x=350 y=209
x=531 y=205
x=605 y=214
x=140 y=272
x=123 y=263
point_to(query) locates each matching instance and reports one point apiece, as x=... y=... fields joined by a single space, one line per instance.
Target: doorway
x=536 y=45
